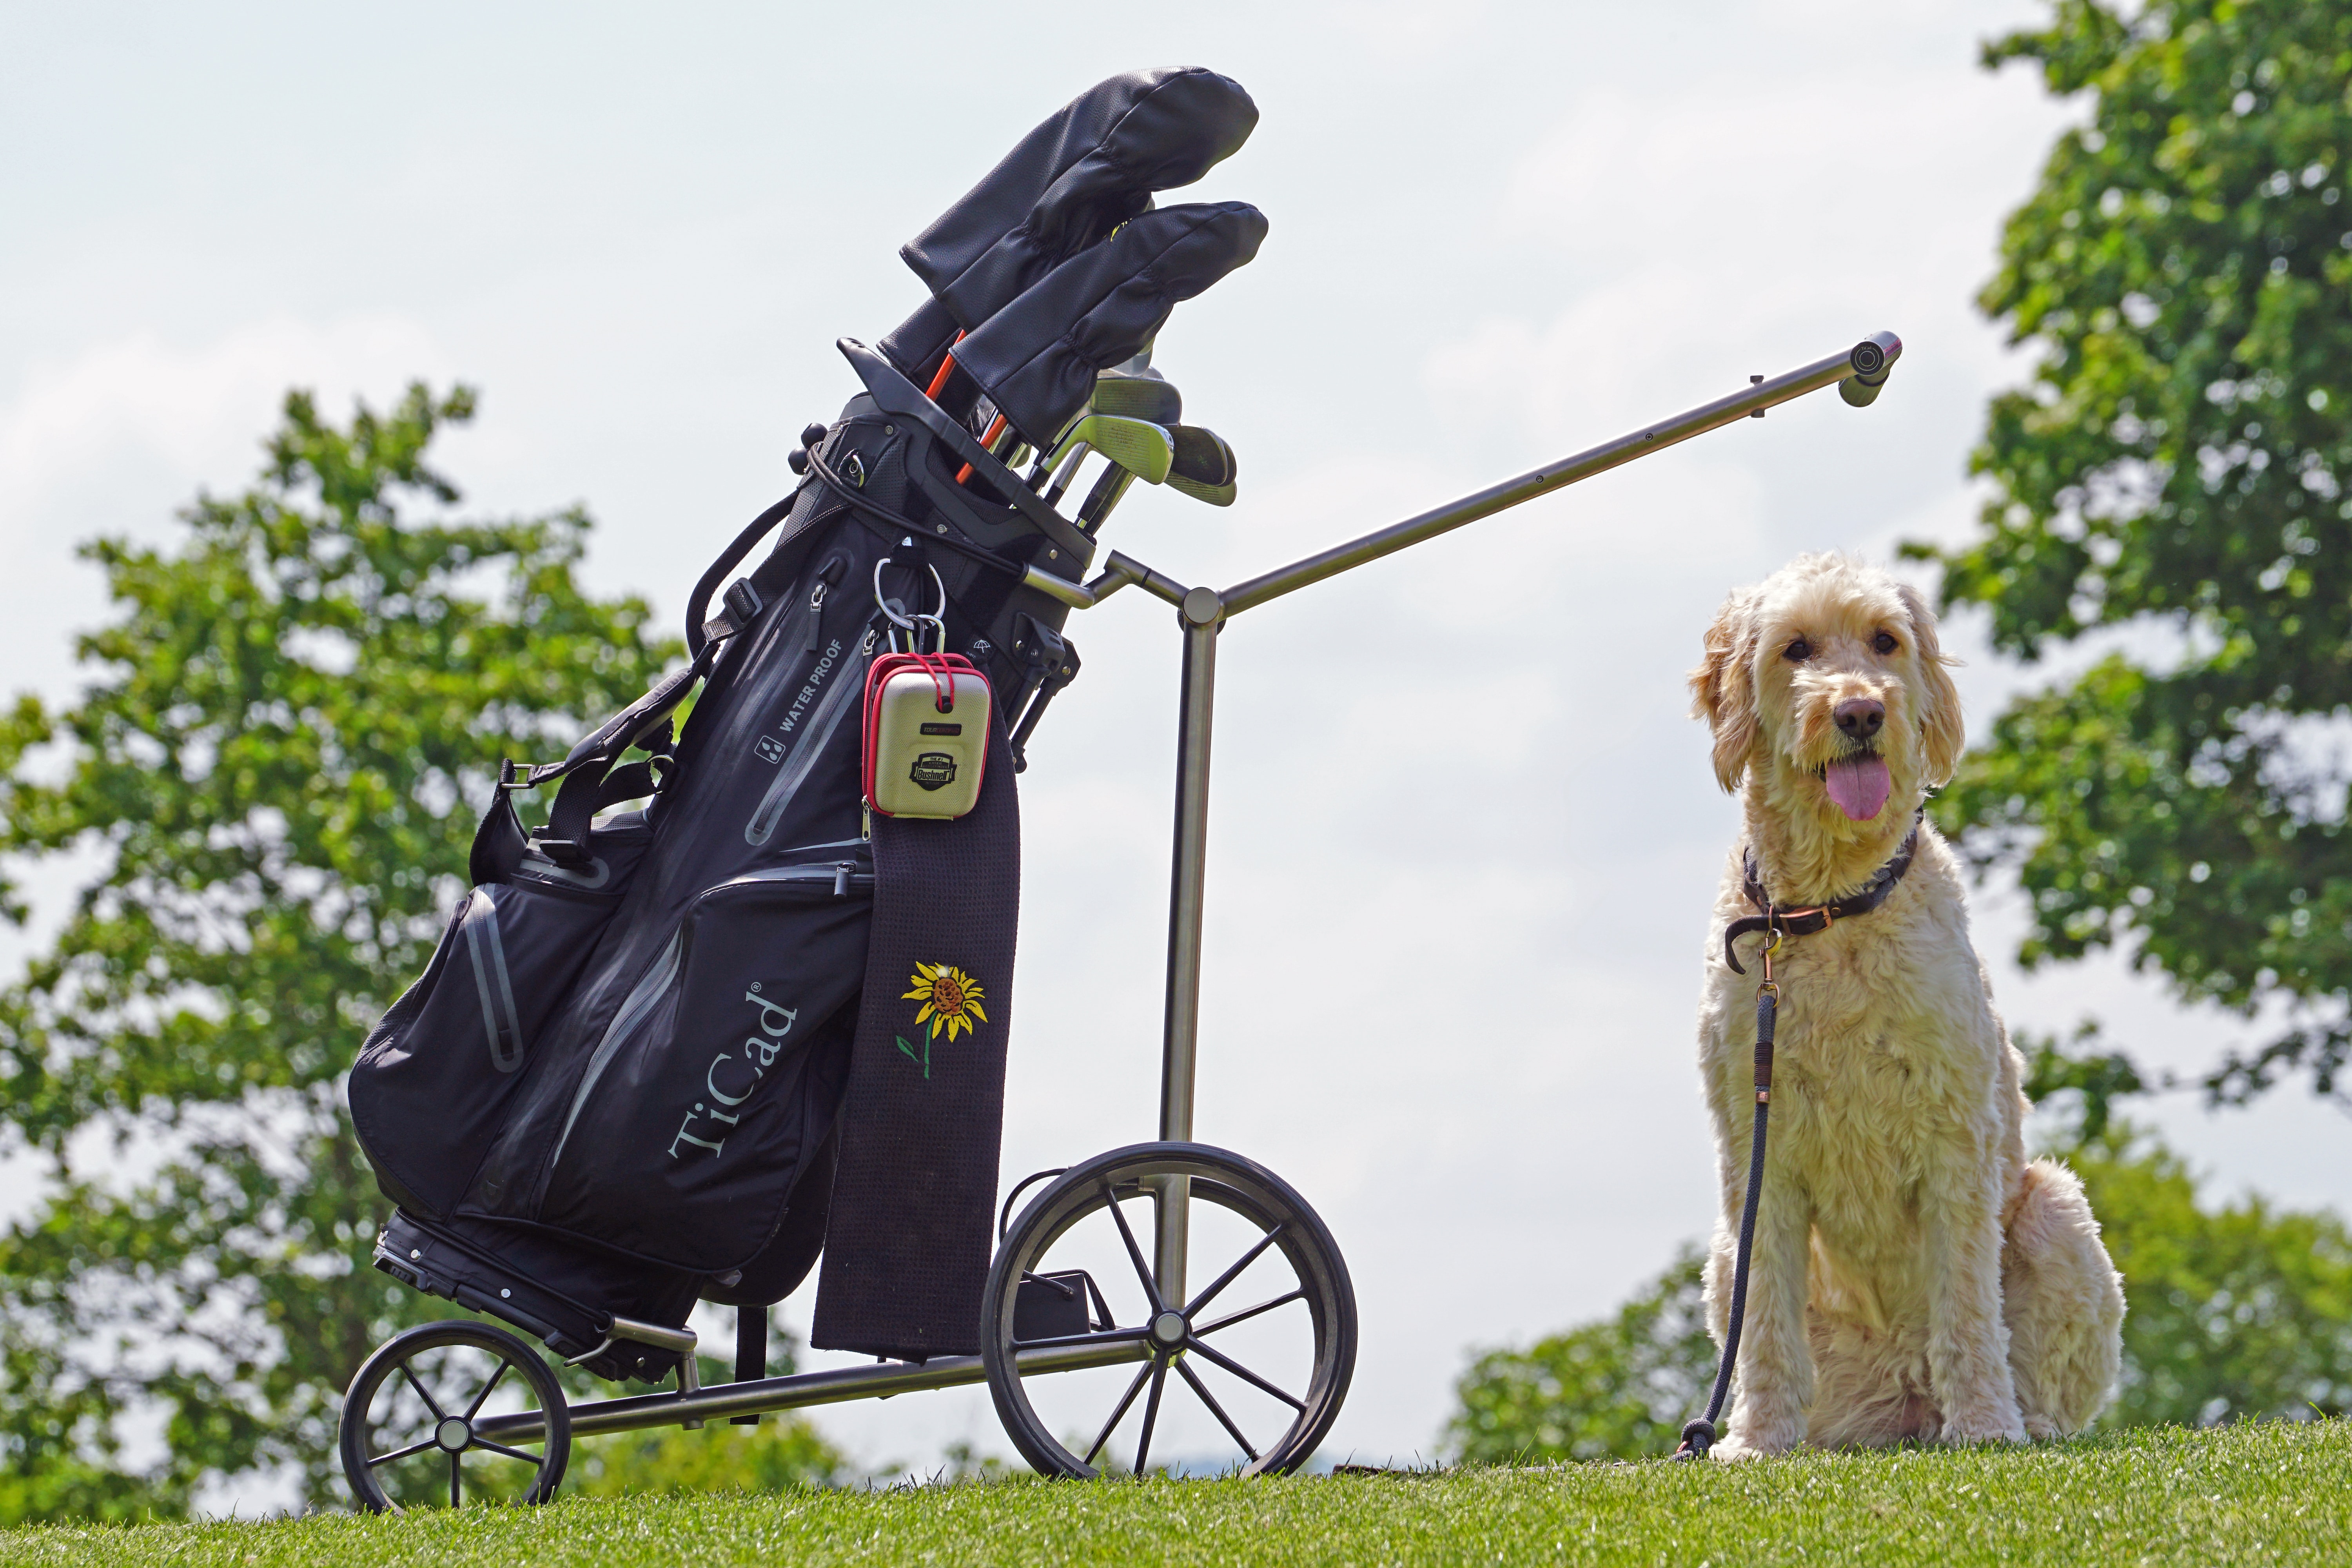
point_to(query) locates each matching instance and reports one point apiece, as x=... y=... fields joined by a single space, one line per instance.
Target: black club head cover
x=1070 y=181
x=1037 y=357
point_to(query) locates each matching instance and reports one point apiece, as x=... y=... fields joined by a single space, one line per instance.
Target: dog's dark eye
x=1798 y=652
x=1883 y=642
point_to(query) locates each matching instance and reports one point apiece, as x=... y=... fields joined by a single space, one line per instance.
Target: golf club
x=1144 y=396
x=1139 y=445
x=1204 y=466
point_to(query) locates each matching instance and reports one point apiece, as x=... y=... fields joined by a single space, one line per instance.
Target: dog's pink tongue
x=1859 y=785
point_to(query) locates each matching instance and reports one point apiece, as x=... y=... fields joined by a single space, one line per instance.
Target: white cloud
x=114 y=439
x=194 y=411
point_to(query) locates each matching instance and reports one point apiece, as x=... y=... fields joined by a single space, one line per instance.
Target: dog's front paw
x=1777 y=1438
x=1983 y=1428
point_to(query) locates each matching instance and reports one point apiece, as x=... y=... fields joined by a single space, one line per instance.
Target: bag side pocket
x=429 y=1084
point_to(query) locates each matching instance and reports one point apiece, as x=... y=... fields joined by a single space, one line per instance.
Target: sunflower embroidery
x=950 y=1000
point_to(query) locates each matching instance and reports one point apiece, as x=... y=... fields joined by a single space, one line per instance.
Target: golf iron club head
x=1204 y=467
x=1145 y=397
x=1143 y=448
x=1127 y=393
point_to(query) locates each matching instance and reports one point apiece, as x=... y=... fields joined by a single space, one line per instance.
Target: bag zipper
x=826 y=578
x=500 y=1020
x=795 y=771
x=842 y=874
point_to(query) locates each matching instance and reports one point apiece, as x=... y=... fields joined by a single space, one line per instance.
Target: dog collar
x=1805 y=922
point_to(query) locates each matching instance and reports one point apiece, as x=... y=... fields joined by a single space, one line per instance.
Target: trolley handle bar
x=1868 y=359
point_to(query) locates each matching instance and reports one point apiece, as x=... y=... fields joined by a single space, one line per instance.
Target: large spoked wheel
x=408 y=1425
x=1093 y=1369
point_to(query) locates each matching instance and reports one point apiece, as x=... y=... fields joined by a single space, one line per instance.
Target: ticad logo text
x=733 y=1077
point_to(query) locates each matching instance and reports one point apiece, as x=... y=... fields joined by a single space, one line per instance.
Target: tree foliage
x=1620 y=1387
x=2179 y=465
x=2237 y=1312
x=290 y=726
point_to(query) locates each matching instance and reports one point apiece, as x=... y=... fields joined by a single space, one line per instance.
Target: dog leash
x=1699 y=1434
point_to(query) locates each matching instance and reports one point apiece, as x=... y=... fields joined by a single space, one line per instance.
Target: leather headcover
x=1069 y=183
x=1037 y=357
x=1074 y=179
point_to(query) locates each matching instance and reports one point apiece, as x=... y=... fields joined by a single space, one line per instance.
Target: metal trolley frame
x=1175 y=1175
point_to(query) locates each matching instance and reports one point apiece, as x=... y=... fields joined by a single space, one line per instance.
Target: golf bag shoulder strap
x=590 y=780
x=698 y=632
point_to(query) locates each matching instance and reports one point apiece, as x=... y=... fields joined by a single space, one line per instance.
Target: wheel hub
x=452 y=1435
x=1168 y=1330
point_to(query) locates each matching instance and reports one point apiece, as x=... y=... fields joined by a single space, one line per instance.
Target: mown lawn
x=2247 y=1494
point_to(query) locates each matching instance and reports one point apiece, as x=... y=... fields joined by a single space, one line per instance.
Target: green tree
x=2178 y=464
x=1618 y=1388
x=276 y=768
x=2241 y=1311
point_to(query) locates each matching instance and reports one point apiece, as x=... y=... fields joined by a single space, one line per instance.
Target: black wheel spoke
x=502 y=1448
x=478 y=1398
x=1135 y=1254
x=454 y=1501
x=1124 y=1400
x=1151 y=1414
x=400 y=1452
x=1216 y=1410
x=1246 y=1313
x=429 y=1404
x=1244 y=1374
x=1227 y=1277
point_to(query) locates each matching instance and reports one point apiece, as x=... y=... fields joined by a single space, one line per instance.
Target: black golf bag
x=669 y=1051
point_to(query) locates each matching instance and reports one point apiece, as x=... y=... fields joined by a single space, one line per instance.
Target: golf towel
x=906 y=1247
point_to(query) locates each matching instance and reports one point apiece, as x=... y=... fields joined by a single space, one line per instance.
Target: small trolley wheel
x=431 y=1396
x=1243 y=1374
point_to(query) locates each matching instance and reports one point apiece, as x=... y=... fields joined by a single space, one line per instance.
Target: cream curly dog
x=1914 y=1276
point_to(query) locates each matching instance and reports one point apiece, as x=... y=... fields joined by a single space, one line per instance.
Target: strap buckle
x=743 y=606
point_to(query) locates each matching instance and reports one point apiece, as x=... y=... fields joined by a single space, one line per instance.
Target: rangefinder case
x=926 y=735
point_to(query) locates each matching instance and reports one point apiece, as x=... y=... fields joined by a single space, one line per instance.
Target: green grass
x=2245 y=1494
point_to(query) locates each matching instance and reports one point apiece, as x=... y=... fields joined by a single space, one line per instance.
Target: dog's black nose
x=1861 y=717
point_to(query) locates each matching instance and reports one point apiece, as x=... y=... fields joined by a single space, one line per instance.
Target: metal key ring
x=904 y=622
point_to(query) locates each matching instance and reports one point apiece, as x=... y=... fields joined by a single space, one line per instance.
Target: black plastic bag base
x=439 y=1263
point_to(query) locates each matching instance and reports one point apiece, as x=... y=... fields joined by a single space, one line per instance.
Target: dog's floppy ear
x=1941 y=732
x=1723 y=690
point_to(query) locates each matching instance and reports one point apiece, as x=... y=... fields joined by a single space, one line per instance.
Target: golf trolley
x=1092 y=1303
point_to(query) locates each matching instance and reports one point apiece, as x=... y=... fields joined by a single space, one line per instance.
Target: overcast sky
x=1464 y=838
